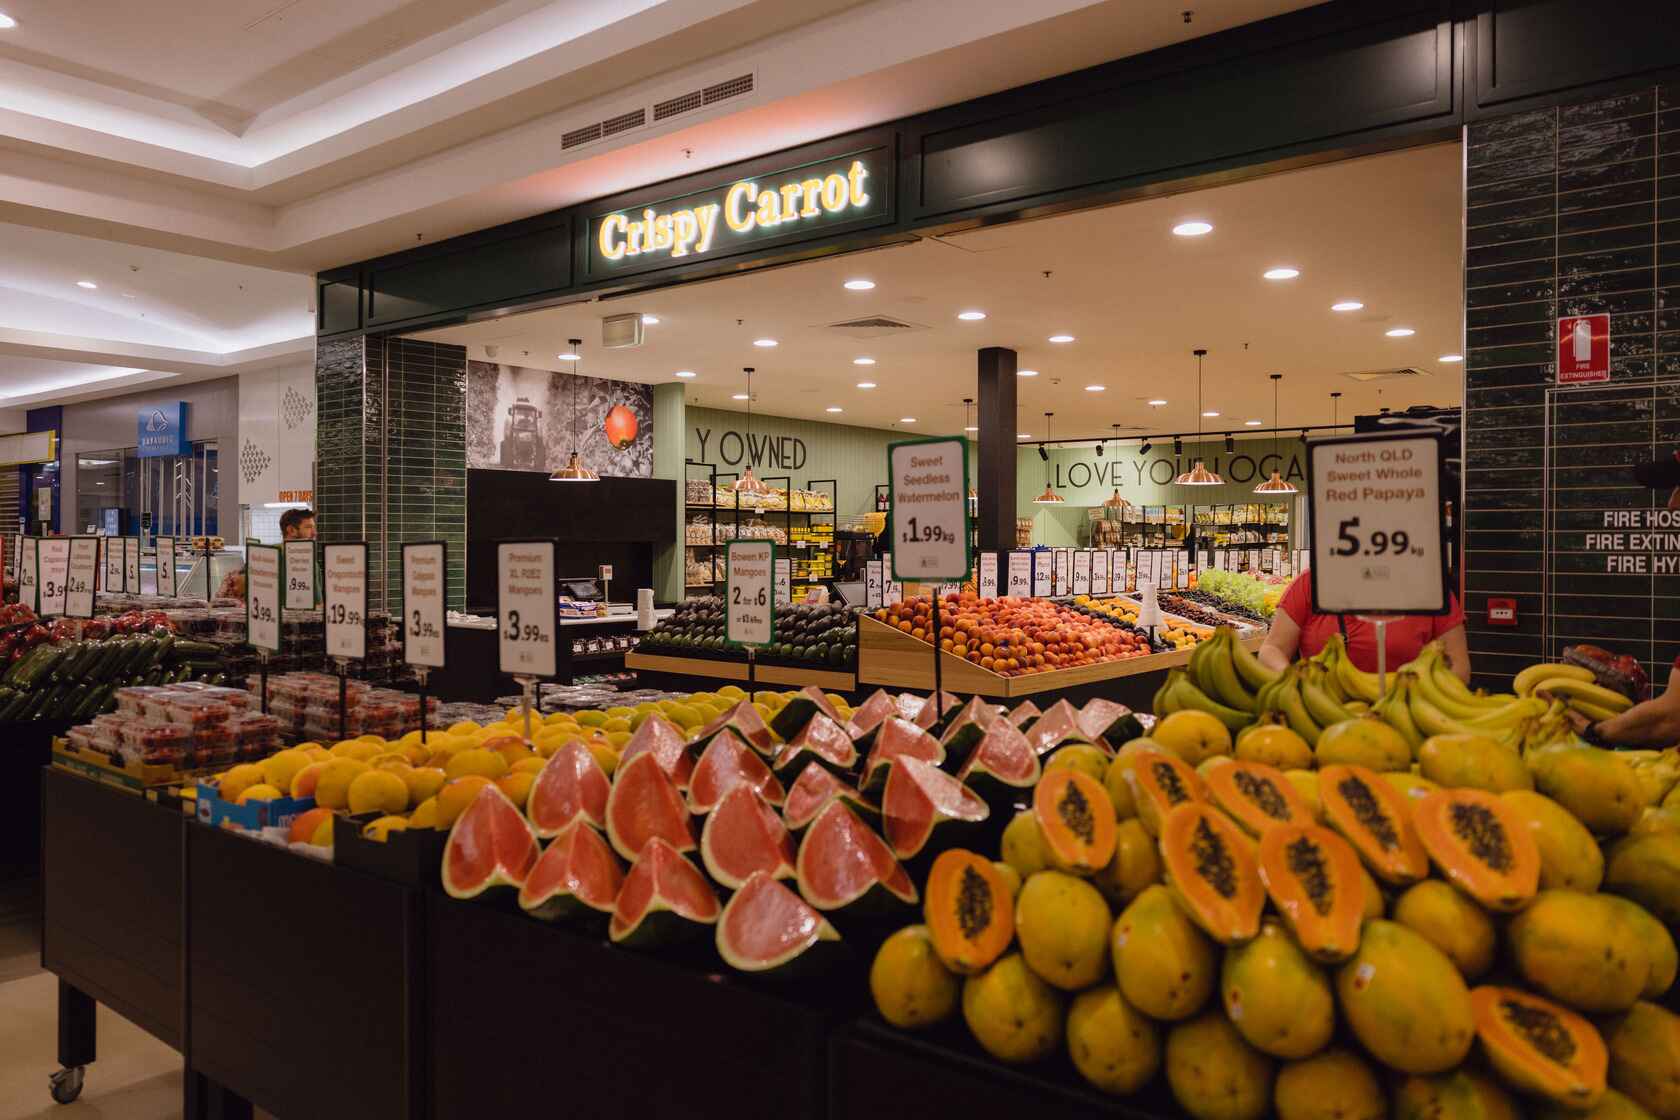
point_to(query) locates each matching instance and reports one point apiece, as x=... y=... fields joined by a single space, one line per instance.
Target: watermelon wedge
x=1024 y=713
x=666 y=741
x=966 y=728
x=821 y=740
x=922 y=803
x=743 y=835
x=866 y=717
x=1055 y=727
x=801 y=706
x=571 y=785
x=576 y=877
x=897 y=737
x=843 y=865
x=645 y=805
x=1003 y=768
x=926 y=714
x=664 y=900
x=490 y=845
x=767 y=929
x=1105 y=721
x=744 y=720
x=725 y=762
x=814 y=789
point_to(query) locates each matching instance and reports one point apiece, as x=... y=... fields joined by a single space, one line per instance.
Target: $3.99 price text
x=420 y=628
x=1376 y=543
x=526 y=632
x=262 y=612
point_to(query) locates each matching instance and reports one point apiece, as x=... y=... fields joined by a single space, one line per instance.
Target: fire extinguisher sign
x=1583 y=349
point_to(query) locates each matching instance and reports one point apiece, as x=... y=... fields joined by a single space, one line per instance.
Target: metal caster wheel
x=67 y=1084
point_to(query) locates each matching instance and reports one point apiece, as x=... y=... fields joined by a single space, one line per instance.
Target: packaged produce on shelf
x=1016 y=637
x=187 y=726
x=819 y=635
x=308 y=707
x=699 y=493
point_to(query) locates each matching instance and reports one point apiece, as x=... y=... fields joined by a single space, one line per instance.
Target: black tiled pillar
x=1572 y=210
x=998 y=425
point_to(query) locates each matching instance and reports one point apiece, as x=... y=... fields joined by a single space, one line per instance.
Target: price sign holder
x=986 y=583
x=55 y=575
x=166 y=567
x=527 y=617
x=425 y=595
x=343 y=613
x=927 y=494
x=264 y=574
x=81 y=572
x=1019 y=585
x=131 y=565
x=874 y=584
x=29 y=573
x=749 y=600
x=300 y=574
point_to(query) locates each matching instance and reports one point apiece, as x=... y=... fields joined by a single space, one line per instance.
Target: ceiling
x=1382 y=230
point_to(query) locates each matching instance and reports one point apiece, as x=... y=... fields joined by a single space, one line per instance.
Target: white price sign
x=894 y=593
x=1042 y=574
x=749 y=600
x=166 y=567
x=262 y=596
x=928 y=481
x=1063 y=571
x=874 y=583
x=29 y=573
x=784 y=582
x=1082 y=572
x=12 y=554
x=111 y=547
x=300 y=575
x=1375 y=510
x=82 y=574
x=131 y=565
x=1102 y=566
x=345 y=598
x=987 y=585
x=1020 y=574
x=55 y=574
x=425 y=602
x=527 y=608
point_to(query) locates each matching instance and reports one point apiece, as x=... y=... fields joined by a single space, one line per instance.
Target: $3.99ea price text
x=420 y=628
x=523 y=632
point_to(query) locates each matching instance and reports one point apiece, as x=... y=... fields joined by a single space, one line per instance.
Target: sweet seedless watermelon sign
x=929 y=487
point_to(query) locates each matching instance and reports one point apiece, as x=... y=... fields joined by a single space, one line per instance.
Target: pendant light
x=747 y=484
x=1275 y=484
x=1049 y=497
x=574 y=470
x=1114 y=504
x=1199 y=475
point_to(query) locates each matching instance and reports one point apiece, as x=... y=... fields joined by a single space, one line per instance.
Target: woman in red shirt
x=1299 y=632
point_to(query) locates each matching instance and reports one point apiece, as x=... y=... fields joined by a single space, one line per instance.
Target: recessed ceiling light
x=1210 y=414
x=1095 y=388
x=1156 y=403
x=835 y=408
x=863 y=361
x=971 y=428
x=650 y=320
x=1026 y=373
x=88 y=284
x=1023 y=435
x=866 y=384
x=971 y=316
x=1400 y=332
x=1253 y=423
x=1450 y=358
x=766 y=343
x=6 y=22
x=1281 y=273
x=739 y=397
x=568 y=356
x=859 y=285
x=1061 y=338
x=906 y=419
x=1193 y=229
x=685 y=373
x=1347 y=305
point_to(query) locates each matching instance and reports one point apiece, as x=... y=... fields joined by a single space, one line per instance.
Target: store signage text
x=163 y=430
x=1161 y=471
x=781 y=452
x=1633 y=553
x=742 y=208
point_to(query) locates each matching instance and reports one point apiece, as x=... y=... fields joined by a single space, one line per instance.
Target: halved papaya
x=1256 y=796
x=1314 y=879
x=1078 y=821
x=1160 y=782
x=1375 y=818
x=1213 y=870
x=1540 y=1047
x=1480 y=845
x=970 y=911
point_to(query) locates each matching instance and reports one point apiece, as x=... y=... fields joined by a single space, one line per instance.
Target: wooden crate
x=829 y=680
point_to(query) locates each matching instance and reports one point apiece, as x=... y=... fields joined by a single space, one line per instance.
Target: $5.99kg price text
x=1377 y=543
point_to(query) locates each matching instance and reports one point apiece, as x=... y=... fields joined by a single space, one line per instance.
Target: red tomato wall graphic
x=620 y=426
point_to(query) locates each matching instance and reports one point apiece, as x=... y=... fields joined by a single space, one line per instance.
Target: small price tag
x=300 y=575
x=928 y=486
x=1374 y=504
x=987 y=584
x=1063 y=571
x=425 y=602
x=874 y=583
x=1043 y=574
x=749 y=594
x=527 y=608
x=55 y=574
x=345 y=598
x=83 y=572
x=131 y=565
x=262 y=596
x=1082 y=572
x=166 y=574
x=784 y=582
x=111 y=549
x=29 y=573
x=1102 y=568
x=894 y=593
x=948 y=589
x=1020 y=584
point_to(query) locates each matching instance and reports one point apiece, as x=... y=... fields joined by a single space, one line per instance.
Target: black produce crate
x=111 y=892
x=943 y=1072
x=25 y=749
x=528 y=1018
x=413 y=858
x=306 y=982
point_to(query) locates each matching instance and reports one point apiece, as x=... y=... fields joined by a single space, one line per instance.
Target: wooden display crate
x=791 y=676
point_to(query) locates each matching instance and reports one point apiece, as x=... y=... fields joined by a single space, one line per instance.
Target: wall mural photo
x=520 y=419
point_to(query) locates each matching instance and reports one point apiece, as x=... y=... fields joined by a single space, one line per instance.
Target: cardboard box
x=134 y=777
x=254 y=816
x=411 y=857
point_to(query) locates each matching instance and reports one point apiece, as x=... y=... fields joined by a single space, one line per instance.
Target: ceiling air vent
x=874 y=326
x=623 y=122
x=1386 y=374
x=585 y=135
x=700 y=98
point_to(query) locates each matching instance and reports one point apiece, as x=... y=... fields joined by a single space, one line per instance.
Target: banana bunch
x=1222 y=678
x=1301 y=699
x=1575 y=686
x=1427 y=698
x=1345 y=681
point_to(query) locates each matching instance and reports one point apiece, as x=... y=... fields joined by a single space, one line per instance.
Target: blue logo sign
x=163 y=430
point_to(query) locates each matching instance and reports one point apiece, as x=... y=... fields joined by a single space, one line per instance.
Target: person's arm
x=1655 y=723
x=1458 y=652
x=1283 y=640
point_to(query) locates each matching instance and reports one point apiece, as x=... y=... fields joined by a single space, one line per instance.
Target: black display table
x=24 y=749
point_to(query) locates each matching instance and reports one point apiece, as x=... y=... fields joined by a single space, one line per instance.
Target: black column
x=998 y=426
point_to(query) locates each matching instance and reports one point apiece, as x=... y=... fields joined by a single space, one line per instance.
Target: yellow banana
x=1220 y=672
x=1594 y=712
x=1450 y=683
x=1250 y=668
x=1394 y=712
x=1446 y=682
x=1583 y=690
x=1515 y=712
x=1294 y=709
x=1424 y=685
x=1323 y=710
x=1194 y=697
x=1431 y=720
x=1524 y=683
x=1355 y=681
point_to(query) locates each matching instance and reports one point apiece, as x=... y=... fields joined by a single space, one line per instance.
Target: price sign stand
x=749 y=599
x=264 y=578
x=927 y=494
x=344 y=614
x=425 y=593
x=528 y=614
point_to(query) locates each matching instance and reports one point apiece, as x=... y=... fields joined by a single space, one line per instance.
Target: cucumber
x=38 y=667
x=99 y=667
x=187 y=648
x=15 y=674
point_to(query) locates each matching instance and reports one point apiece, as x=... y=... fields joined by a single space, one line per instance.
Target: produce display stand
x=24 y=749
x=718 y=669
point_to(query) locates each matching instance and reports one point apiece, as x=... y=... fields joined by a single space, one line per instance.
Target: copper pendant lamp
x=1199 y=475
x=1275 y=484
x=747 y=484
x=574 y=470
